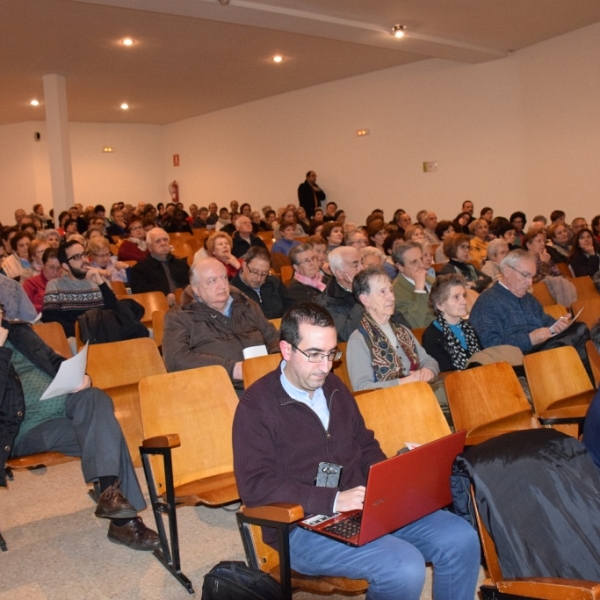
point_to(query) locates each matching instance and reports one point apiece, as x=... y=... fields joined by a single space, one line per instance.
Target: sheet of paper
x=69 y=377
x=253 y=351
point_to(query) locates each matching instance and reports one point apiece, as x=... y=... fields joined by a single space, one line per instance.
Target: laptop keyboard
x=346 y=528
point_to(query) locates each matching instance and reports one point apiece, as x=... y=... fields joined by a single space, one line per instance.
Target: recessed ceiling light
x=127 y=42
x=398 y=30
x=108 y=149
x=35 y=103
x=277 y=58
x=124 y=106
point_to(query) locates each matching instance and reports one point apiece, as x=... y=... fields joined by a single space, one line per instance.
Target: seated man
x=243 y=238
x=214 y=324
x=82 y=289
x=307 y=284
x=259 y=285
x=78 y=424
x=412 y=285
x=160 y=271
x=287 y=423
x=507 y=314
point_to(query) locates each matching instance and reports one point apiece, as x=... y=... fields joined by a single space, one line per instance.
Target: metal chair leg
x=3 y=545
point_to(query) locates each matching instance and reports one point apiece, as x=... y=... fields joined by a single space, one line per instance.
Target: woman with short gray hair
x=497 y=250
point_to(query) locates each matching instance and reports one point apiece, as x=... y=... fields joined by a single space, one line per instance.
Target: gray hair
x=514 y=257
x=337 y=257
x=495 y=246
x=399 y=251
x=348 y=239
x=293 y=255
x=367 y=250
x=362 y=282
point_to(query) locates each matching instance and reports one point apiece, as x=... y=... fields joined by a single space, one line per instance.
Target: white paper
x=254 y=351
x=69 y=377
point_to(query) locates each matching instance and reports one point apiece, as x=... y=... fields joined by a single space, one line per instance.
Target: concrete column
x=59 y=145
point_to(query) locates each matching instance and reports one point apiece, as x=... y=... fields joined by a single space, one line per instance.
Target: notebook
x=399 y=490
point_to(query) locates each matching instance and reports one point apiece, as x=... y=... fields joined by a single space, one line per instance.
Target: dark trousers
x=91 y=431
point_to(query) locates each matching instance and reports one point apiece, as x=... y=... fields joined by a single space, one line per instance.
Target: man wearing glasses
x=214 y=324
x=254 y=280
x=507 y=313
x=82 y=289
x=297 y=420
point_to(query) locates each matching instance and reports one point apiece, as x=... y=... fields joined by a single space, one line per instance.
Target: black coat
x=149 y=276
x=273 y=300
x=300 y=292
x=241 y=246
x=309 y=199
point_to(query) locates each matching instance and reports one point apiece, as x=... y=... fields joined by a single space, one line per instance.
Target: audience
x=134 y=247
x=584 y=258
x=558 y=245
x=35 y=287
x=457 y=249
x=307 y=284
x=18 y=261
x=243 y=238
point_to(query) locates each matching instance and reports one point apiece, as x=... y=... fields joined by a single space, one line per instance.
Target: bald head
x=208 y=278
x=158 y=243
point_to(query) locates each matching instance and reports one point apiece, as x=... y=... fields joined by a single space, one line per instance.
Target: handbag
x=233 y=580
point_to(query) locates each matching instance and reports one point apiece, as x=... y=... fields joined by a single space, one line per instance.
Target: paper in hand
x=70 y=375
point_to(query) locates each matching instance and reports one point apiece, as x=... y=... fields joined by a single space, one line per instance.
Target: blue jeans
x=394 y=565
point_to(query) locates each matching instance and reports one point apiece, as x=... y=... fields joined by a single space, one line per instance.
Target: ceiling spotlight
x=224 y=2
x=127 y=42
x=124 y=106
x=398 y=30
x=277 y=58
x=35 y=103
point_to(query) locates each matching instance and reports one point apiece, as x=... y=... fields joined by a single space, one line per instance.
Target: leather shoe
x=134 y=535
x=112 y=504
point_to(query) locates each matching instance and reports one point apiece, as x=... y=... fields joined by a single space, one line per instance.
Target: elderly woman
x=585 y=254
x=18 y=261
x=497 y=250
x=134 y=247
x=479 y=228
x=414 y=233
x=219 y=245
x=372 y=257
x=450 y=339
x=535 y=244
x=456 y=248
x=427 y=258
x=35 y=252
x=99 y=256
x=557 y=244
x=307 y=284
x=380 y=353
x=52 y=237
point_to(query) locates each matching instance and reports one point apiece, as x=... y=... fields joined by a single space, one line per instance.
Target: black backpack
x=233 y=580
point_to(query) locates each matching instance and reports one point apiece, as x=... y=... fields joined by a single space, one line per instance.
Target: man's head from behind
x=518 y=270
x=344 y=263
x=158 y=243
x=308 y=343
x=208 y=278
x=72 y=259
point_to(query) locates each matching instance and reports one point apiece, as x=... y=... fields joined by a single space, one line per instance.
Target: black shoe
x=134 y=535
x=113 y=505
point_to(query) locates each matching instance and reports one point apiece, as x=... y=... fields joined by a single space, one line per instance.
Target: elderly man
x=214 y=324
x=83 y=288
x=81 y=423
x=507 y=314
x=356 y=238
x=160 y=271
x=299 y=415
x=430 y=221
x=254 y=280
x=310 y=195
x=307 y=284
x=243 y=238
x=412 y=285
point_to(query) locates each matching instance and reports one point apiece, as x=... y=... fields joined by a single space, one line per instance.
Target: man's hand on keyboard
x=352 y=499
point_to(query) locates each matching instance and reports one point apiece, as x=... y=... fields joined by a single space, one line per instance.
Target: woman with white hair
x=478 y=246
x=497 y=250
x=370 y=256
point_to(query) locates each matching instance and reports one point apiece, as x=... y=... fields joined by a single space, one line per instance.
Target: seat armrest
x=280 y=512
x=170 y=440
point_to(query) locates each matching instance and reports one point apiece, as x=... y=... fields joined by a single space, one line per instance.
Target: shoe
x=134 y=535
x=113 y=505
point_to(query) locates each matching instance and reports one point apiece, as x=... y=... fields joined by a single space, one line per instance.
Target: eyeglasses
x=307 y=261
x=464 y=246
x=75 y=257
x=317 y=357
x=260 y=274
x=524 y=275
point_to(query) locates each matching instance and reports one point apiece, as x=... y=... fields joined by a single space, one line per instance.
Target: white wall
x=516 y=134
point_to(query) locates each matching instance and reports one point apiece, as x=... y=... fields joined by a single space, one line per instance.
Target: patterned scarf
x=385 y=361
x=464 y=269
x=458 y=354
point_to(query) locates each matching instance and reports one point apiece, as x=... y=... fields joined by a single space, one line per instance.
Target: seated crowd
x=412 y=301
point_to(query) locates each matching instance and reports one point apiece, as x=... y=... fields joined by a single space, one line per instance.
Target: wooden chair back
x=287 y=274
x=418 y=333
x=594 y=360
x=585 y=288
x=119 y=288
x=278 y=260
x=117 y=369
x=557 y=378
x=591 y=310
x=541 y=293
x=255 y=368
x=488 y=401
x=158 y=327
x=340 y=367
x=151 y=301
x=556 y=311
x=266 y=237
x=564 y=270
x=276 y=323
x=198 y=405
x=403 y=413
x=179 y=236
x=53 y=334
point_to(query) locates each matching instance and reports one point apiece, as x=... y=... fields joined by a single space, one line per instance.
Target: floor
x=57 y=549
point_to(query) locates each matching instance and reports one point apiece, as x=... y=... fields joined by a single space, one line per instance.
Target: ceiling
x=192 y=57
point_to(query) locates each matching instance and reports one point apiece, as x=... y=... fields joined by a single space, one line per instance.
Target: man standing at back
x=310 y=195
x=300 y=415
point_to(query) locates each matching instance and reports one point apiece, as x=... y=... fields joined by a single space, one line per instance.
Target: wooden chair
x=564 y=270
x=591 y=310
x=594 y=360
x=54 y=335
x=404 y=413
x=418 y=333
x=255 y=368
x=151 y=301
x=278 y=260
x=187 y=452
x=340 y=367
x=119 y=288
x=117 y=369
x=556 y=311
x=131 y=263
x=287 y=274
x=158 y=327
x=488 y=401
x=560 y=387
x=585 y=288
x=541 y=293
x=276 y=323
x=266 y=237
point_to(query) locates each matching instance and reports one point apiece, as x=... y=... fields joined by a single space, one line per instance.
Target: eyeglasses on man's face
x=522 y=274
x=317 y=357
x=75 y=257
x=261 y=274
